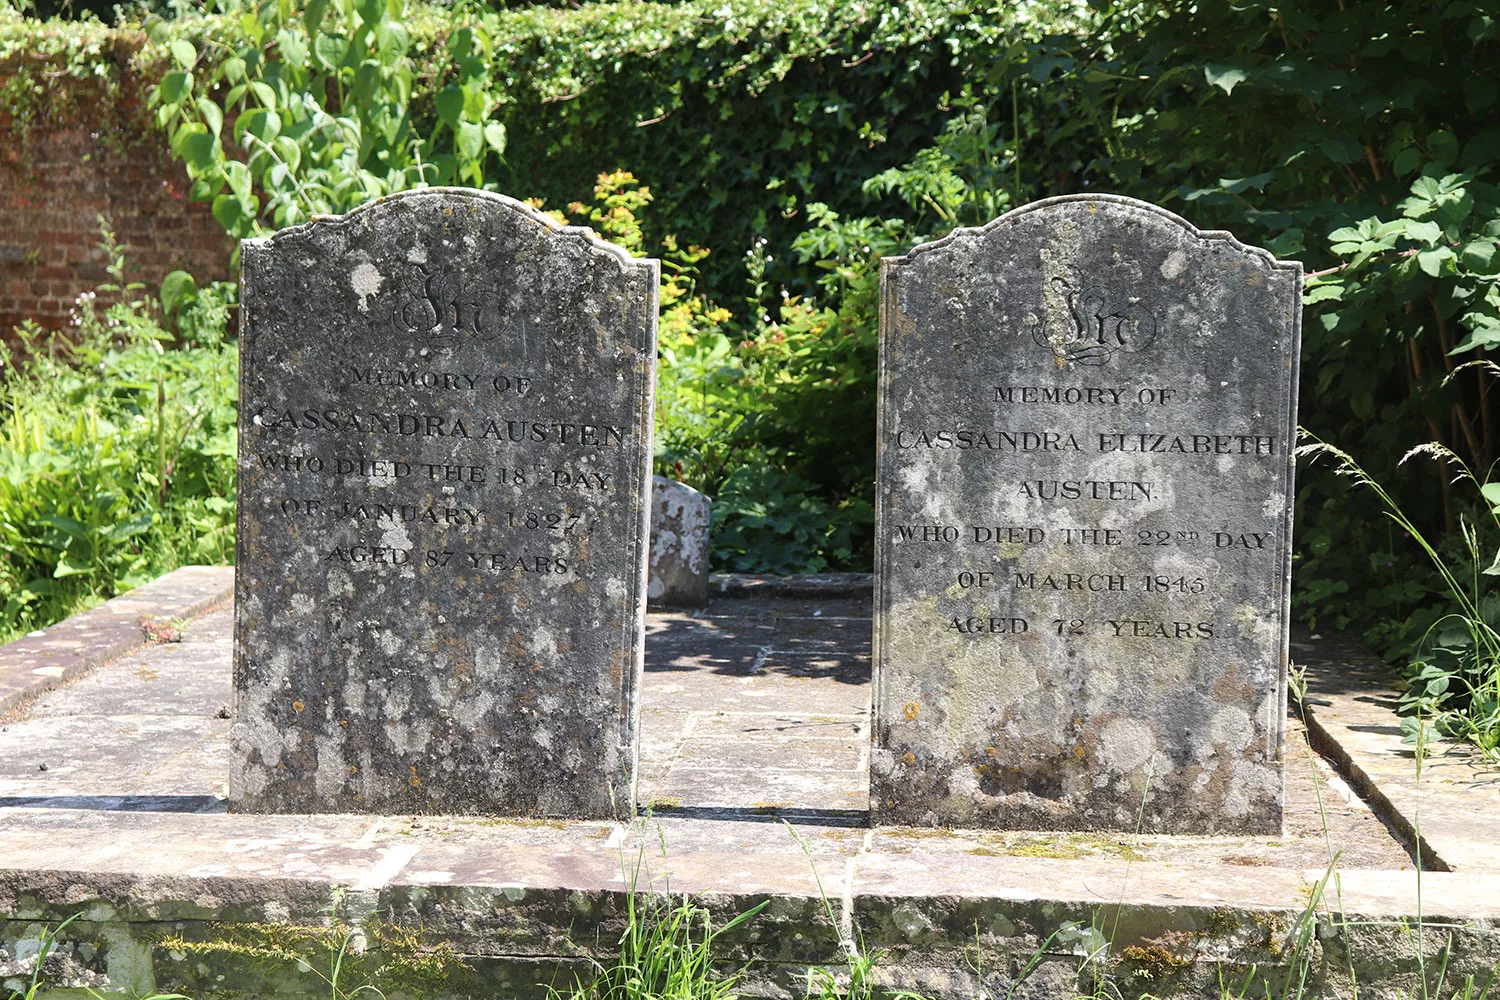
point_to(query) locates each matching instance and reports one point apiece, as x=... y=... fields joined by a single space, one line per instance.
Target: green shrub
x=766 y=520
x=805 y=138
x=116 y=452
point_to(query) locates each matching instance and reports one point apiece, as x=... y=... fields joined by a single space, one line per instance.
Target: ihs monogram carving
x=446 y=311
x=1088 y=325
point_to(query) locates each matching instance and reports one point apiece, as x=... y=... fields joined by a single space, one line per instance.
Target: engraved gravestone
x=445 y=437
x=677 y=569
x=1086 y=418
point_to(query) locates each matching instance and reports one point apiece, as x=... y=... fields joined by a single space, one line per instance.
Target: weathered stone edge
x=1217 y=235
x=797 y=585
x=923 y=938
x=37 y=663
x=1340 y=686
x=593 y=240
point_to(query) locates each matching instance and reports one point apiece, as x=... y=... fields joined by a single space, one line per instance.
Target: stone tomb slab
x=1087 y=411
x=445 y=439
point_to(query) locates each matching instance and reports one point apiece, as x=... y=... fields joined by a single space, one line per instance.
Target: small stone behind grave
x=1087 y=412
x=445 y=434
x=678 y=574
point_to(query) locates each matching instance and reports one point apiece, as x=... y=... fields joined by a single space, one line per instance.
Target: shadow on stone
x=118 y=803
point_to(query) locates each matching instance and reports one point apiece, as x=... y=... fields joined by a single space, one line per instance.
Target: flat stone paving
x=755 y=711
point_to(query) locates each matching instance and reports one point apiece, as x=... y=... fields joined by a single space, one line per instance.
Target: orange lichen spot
x=414 y=781
x=353 y=769
x=911 y=710
x=991 y=752
x=344 y=723
x=1080 y=751
x=298 y=706
x=908 y=759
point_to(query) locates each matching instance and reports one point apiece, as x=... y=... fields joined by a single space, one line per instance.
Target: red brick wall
x=57 y=179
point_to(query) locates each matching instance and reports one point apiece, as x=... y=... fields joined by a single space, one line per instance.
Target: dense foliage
x=116 y=450
x=776 y=149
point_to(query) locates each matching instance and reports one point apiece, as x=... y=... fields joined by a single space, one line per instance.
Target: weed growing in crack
x=666 y=950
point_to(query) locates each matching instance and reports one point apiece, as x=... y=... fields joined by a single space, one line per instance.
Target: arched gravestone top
x=1087 y=410
x=445 y=444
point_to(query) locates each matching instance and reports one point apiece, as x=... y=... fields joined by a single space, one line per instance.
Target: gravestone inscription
x=1087 y=411
x=445 y=437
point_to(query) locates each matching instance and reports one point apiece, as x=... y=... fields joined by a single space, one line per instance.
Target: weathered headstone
x=677 y=575
x=445 y=433
x=1085 y=481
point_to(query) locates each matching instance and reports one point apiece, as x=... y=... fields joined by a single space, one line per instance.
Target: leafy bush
x=116 y=452
x=794 y=142
x=313 y=111
x=766 y=520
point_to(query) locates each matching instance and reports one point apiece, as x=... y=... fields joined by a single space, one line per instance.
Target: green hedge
x=797 y=140
x=737 y=115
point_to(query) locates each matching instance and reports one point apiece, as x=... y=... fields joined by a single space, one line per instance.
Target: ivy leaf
x=313 y=15
x=229 y=212
x=370 y=11
x=253 y=29
x=450 y=105
x=475 y=103
x=329 y=50
x=176 y=86
x=392 y=40
x=203 y=189
x=265 y=125
x=262 y=124
x=366 y=79
x=233 y=69
x=459 y=43
x=180 y=137
x=288 y=150
x=1226 y=78
x=177 y=288
x=238 y=176
x=470 y=140
x=212 y=116
x=184 y=53
x=494 y=134
x=263 y=93
x=292 y=47
x=199 y=151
